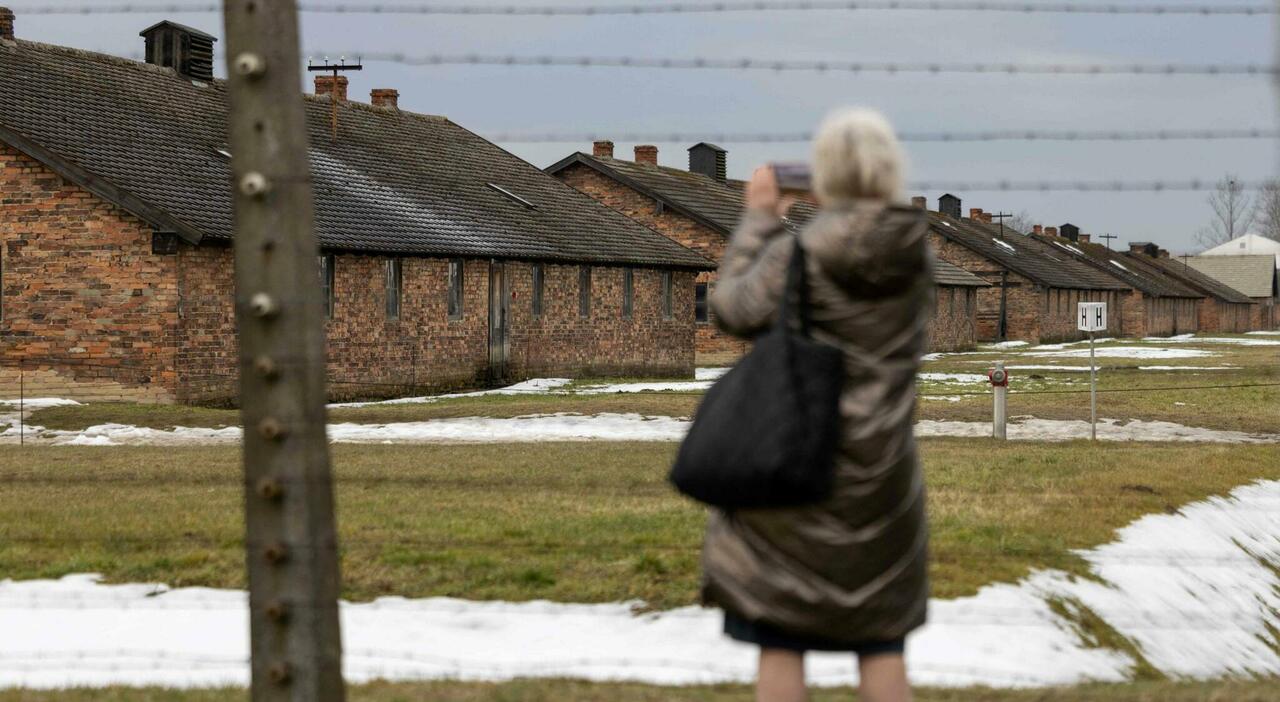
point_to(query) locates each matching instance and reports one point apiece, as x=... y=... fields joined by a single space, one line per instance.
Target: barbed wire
x=1072 y=135
x=691 y=8
x=812 y=65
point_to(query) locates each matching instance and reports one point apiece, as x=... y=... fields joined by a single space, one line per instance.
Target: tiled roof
x=393 y=181
x=1044 y=264
x=1116 y=264
x=716 y=204
x=1182 y=272
x=1254 y=276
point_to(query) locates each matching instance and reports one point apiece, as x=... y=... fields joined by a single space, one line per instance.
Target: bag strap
x=795 y=296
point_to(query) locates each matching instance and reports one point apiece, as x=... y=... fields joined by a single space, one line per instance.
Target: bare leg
x=883 y=678
x=781 y=676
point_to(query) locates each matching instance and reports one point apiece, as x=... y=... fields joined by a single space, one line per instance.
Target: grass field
x=572 y=691
x=596 y=522
x=574 y=522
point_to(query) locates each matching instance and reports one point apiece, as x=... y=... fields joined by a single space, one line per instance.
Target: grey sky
x=607 y=100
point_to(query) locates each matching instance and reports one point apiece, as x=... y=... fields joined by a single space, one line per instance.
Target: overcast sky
x=491 y=100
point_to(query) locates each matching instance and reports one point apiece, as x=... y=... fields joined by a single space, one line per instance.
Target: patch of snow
x=952 y=377
x=672 y=386
x=1197 y=591
x=1065 y=344
x=1033 y=367
x=1186 y=368
x=1192 y=338
x=1126 y=352
x=1263 y=333
x=35 y=403
x=1033 y=429
x=536 y=386
x=709 y=373
x=941 y=398
x=1005 y=345
x=1004 y=244
x=531 y=428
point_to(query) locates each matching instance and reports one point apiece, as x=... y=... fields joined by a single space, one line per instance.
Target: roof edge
x=601 y=167
x=101 y=187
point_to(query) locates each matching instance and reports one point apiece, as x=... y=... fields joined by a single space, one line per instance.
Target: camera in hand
x=793 y=177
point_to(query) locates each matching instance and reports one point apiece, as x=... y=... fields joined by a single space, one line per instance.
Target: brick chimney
x=919 y=202
x=986 y=217
x=1144 y=248
x=335 y=88
x=602 y=148
x=1163 y=253
x=1051 y=231
x=1085 y=238
x=647 y=153
x=1037 y=229
x=385 y=97
x=6 y=23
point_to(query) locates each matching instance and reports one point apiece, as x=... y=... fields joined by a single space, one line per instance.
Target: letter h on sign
x=1092 y=316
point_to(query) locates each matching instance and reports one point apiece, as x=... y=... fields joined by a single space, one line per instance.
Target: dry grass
x=574 y=522
x=576 y=691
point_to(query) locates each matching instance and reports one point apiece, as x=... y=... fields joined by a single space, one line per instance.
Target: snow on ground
x=1197 y=591
x=536 y=386
x=1193 y=339
x=1125 y=352
x=709 y=373
x=610 y=427
x=1065 y=344
x=952 y=377
x=1005 y=345
x=1032 y=429
x=1263 y=333
x=669 y=386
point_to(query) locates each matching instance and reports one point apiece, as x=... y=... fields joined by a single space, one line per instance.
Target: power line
x=1048 y=186
x=945 y=137
x=691 y=8
x=813 y=65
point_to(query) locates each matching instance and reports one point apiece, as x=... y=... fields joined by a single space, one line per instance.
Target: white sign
x=1092 y=316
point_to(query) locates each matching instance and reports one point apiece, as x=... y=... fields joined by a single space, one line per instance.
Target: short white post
x=1000 y=385
x=1093 y=392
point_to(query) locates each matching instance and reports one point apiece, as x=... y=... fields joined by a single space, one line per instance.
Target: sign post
x=1092 y=318
x=999 y=378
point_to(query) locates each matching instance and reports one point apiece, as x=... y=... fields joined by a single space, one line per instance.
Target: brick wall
x=954 y=313
x=1214 y=315
x=675 y=226
x=92 y=313
x=86 y=307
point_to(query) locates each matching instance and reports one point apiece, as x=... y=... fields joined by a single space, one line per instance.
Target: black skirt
x=766 y=635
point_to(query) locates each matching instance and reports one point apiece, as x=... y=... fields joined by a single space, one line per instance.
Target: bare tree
x=1267 y=210
x=1233 y=213
x=1020 y=222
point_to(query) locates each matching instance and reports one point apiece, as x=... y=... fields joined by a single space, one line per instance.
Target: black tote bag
x=766 y=433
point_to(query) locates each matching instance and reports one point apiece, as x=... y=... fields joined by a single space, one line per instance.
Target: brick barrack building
x=445 y=260
x=700 y=208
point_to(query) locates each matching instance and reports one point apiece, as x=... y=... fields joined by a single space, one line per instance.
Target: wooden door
x=499 y=343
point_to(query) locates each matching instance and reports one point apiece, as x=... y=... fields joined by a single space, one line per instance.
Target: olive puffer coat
x=851 y=568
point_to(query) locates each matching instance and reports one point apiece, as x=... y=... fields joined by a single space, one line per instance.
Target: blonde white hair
x=856 y=156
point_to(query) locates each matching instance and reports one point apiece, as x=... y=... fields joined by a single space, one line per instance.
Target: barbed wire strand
x=1047 y=135
x=810 y=65
x=691 y=8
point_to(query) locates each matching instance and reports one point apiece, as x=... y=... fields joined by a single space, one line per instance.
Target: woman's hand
x=763 y=194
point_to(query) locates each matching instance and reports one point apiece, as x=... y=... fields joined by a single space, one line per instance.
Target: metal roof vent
x=186 y=50
x=949 y=205
x=708 y=160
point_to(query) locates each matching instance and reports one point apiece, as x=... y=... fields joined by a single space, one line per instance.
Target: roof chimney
x=920 y=202
x=1037 y=229
x=334 y=87
x=975 y=213
x=184 y=49
x=6 y=23
x=1162 y=253
x=647 y=153
x=949 y=205
x=602 y=148
x=708 y=160
x=1050 y=231
x=986 y=217
x=1085 y=238
x=385 y=97
x=1070 y=231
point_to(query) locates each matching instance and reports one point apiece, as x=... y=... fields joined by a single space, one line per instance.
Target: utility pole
x=1001 y=216
x=1108 y=237
x=335 y=69
x=291 y=539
